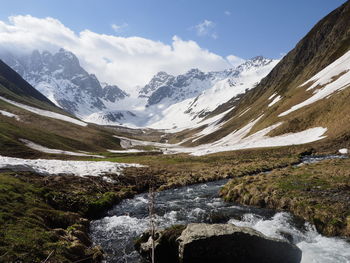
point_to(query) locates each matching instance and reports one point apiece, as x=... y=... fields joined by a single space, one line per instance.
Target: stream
x=200 y=203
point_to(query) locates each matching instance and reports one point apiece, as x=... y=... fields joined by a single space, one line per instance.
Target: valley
x=262 y=144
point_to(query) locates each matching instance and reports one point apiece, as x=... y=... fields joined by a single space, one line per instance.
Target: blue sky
x=243 y=28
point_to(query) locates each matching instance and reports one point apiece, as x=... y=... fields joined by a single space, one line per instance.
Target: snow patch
x=10 y=115
x=325 y=79
x=126 y=151
x=344 y=151
x=271 y=97
x=44 y=149
x=57 y=167
x=237 y=140
x=275 y=100
x=261 y=140
x=45 y=113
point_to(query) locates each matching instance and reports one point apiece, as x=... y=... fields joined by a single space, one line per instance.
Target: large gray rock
x=228 y=243
x=220 y=243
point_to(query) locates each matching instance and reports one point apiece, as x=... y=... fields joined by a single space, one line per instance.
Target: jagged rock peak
x=61 y=78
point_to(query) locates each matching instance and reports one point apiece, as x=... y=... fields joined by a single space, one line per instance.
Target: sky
x=127 y=42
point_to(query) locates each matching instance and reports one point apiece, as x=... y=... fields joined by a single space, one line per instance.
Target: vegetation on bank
x=319 y=193
x=31 y=229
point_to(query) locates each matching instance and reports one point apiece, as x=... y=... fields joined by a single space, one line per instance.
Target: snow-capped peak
x=60 y=77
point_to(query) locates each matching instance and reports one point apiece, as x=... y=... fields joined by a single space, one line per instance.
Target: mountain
x=194 y=82
x=13 y=85
x=190 y=96
x=187 y=99
x=160 y=79
x=182 y=101
x=302 y=100
x=32 y=126
x=60 y=77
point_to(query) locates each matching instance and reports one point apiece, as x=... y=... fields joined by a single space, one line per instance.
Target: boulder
x=229 y=243
x=216 y=243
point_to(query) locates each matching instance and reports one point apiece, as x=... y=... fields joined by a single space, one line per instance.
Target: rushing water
x=200 y=203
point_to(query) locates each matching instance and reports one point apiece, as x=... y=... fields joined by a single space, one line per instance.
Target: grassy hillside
x=328 y=40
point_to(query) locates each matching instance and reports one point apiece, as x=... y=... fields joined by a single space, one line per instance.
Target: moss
x=25 y=234
x=31 y=227
x=101 y=204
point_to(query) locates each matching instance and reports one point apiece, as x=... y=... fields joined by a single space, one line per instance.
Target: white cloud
x=206 y=28
x=228 y=13
x=234 y=60
x=119 y=28
x=125 y=61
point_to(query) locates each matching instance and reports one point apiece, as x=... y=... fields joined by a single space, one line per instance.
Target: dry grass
x=319 y=193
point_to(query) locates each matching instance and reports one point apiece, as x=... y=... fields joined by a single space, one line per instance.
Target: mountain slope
x=28 y=118
x=13 y=86
x=289 y=86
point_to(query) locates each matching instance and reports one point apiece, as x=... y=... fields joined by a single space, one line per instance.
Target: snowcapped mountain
x=186 y=99
x=60 y=77
x=166 y=102
x=160 y=79
x=194 y=82
x=169 y=102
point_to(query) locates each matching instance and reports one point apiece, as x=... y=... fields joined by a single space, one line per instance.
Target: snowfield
x=335 y=77
x=44 y=149
x=10 y=115
x=45 y=113
x=127 y=143
x=57 y=167
x=238 y=140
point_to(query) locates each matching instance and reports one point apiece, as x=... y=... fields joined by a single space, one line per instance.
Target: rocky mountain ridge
x=178 y=88
x=61 y=78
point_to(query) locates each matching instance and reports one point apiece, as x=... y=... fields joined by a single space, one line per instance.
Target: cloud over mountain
x=125 y=61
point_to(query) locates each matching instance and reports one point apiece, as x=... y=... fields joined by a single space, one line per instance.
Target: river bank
x=67 y=203
x=48 y=216
x=200 y=203
x=317 y=192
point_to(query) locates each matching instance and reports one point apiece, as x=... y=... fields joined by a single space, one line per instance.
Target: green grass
x=23 y=232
